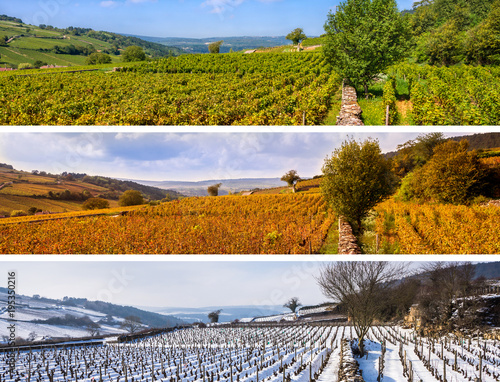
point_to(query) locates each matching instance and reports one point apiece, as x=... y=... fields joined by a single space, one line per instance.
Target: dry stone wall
x=349 y=367
x=348 y=244
x=350 y=112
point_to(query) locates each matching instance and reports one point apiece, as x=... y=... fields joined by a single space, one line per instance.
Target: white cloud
x=221 y=6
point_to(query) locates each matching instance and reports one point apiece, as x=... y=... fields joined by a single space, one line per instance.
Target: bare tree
x=214 y=316
x=32 y=336
x=445 y=285
x=359 y=285
x=132 y=324
x=93 y=329
x=292 y=304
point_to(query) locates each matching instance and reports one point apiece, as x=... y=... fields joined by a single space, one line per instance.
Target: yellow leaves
x=443 y=229
x=230 y=224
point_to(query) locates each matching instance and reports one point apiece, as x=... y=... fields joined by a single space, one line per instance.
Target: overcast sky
x=197 y=283
x=185 y=157
x=180 y=18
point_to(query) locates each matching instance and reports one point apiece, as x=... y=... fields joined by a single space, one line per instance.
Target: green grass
x=331 y=244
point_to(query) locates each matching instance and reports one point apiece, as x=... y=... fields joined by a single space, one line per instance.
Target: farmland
x=232 y=89
x=294 y=223
x=22 y=190
x=280 y=353
x=439 y=228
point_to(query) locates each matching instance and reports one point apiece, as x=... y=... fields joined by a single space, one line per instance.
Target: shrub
x=17 y=213
x=95 y=204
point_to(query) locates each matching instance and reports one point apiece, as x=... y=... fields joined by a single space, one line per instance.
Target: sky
x=189 y=284
x=181 y=156
x=180 y=18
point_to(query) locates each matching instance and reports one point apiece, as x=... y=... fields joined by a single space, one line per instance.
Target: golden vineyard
x=260 y=224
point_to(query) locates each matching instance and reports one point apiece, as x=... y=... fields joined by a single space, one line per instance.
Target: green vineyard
x=460 y=95
x=231 y=89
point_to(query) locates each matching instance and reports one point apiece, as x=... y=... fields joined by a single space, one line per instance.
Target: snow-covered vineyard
x=299 y=353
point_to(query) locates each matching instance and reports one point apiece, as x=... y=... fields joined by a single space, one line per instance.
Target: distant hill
x=228 y=185
x=24 y=43
x=228 y=314
x=200 y=45
x=21 y=190
x=70 y=317
x=481 y=141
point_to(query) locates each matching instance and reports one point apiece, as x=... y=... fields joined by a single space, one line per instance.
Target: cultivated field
x=275 y=354
x=232 y=89
x=293 y=223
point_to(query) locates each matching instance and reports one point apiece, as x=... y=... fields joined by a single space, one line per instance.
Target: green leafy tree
x=296 y=36
x=98 y=58
x=356 y=178
x=214 y=47
x=364 y=37
x=482 y=45
x=133 y=53
x=213 y=190
x=38 y=63
x=291 y=178
x=131 y=198
x=445 y=45
x=95 y=204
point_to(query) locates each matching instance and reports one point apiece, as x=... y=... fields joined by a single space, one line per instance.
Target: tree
x=38 y=63
x=292 y=304
x=131 y=323
x=133 y=53
x=445 y=284
x=213 y=190
x=415 y=153
x=364 y=37
x=32 y=336
x=359 y=285
x=93 y=328
x=214 y=47
x=95 y=204
x=291 y=177
x=453 y=175
x=482 y=45
x=214 y=316
x=98 y=58
x=296 y=36
x=356 y=178
x=131 y=198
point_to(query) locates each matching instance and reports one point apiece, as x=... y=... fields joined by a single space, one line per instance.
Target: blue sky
x=192 y=284
x=181 y=156
x=180 y=18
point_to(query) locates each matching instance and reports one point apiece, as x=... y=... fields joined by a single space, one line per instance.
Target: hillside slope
x=23 y=43
x=71 y=316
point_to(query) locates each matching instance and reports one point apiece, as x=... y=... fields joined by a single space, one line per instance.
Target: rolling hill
x=71 y=316
x=21 y=190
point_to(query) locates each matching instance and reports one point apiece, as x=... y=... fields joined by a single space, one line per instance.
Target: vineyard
x=293 y=223
x=230 y=89
x=439 y=229
x=302 y=353
x=461 y=95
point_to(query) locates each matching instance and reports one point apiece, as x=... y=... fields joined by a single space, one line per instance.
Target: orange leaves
x=294 y=223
